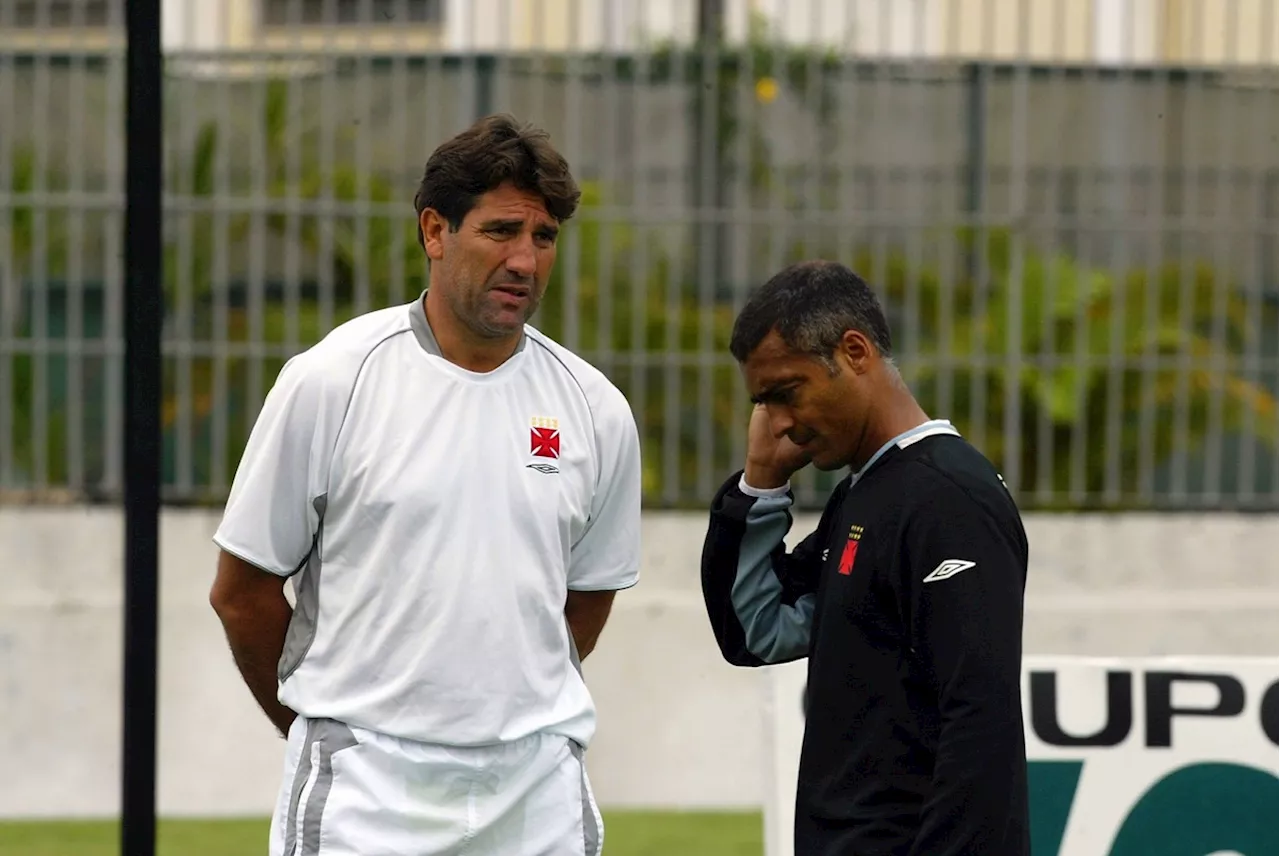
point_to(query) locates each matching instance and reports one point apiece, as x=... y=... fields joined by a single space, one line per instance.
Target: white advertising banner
x=1174 y=756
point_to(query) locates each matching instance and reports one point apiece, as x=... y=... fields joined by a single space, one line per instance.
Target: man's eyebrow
x=500 y=223
x=773 y=389
x=516 y=222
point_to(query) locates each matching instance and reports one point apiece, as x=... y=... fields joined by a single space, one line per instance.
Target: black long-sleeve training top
x=908 y=601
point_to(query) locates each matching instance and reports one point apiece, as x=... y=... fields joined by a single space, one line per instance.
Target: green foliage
x=1121 y=368
x=1046 y=363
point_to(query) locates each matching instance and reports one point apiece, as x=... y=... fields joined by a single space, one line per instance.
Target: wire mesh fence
x=1072 y=223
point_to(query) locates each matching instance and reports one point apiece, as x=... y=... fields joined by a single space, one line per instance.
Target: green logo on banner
x=1196 y=810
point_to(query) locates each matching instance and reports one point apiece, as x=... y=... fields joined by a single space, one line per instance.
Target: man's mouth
x=520 y=291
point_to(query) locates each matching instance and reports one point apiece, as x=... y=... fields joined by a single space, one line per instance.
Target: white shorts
x=352 y=792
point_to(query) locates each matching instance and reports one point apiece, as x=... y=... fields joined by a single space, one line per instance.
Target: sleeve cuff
x=620 y=585
x=762 y=492
x=247 y=556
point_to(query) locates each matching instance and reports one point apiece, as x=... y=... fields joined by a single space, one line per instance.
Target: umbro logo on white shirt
x=948 y=569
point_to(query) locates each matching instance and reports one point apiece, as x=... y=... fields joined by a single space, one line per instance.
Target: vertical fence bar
x=261 y=244
x=708 y=181
x=951 y=271
x=324 y=252
x=185 y=225
x=362 y=164
x=405 y=131
x=672 y=414
x=1161 y=222
x=980 y=178
x=1018 y=173
x=744 y=274
x=917 y=201
x=74 y=333
x=673 y=362
x=1219 y=368
x=226 y=348
x=42 y=207
x=143 y=315
x=495 y=93
x=290 y=110
x=952 y=163
x=1263 y=233
x=639 y=273
x=1189 y=226
x=881 y=213
x=1271 y=206
x=540 y=60
x=1078 y=246
x=113 y=241
x=1118 y=119
x=11 y=277
x=573 y=119
x=609 y=95
x=1055 y=85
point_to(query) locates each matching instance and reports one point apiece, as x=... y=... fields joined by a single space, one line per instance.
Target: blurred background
x=1069 y=208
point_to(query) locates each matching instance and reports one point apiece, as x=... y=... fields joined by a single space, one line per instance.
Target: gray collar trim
x=422 y=329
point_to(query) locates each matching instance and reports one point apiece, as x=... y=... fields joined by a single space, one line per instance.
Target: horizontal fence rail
x=1072 y=223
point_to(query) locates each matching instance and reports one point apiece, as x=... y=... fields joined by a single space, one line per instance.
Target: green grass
x=627 y=833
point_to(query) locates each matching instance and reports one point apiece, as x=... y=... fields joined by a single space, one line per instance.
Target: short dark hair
x=811 y=305
x=495 y=150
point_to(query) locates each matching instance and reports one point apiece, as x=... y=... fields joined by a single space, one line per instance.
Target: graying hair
x=812 y=305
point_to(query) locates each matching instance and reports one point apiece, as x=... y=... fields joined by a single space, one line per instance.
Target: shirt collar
x=422 y=328
x=931 y=428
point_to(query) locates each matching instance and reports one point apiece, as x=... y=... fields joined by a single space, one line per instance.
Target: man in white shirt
x=457 y=500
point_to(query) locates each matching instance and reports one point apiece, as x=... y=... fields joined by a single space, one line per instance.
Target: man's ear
x=433 y=231
x=856 y=350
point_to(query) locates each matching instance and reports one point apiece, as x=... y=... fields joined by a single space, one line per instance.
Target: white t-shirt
x=433 y=519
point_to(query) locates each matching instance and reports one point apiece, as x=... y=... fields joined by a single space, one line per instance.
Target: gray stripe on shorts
x=332 y=737
x=591 y=832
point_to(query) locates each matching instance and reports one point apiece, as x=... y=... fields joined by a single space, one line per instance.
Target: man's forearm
x=586 y=613
x=257 y=639
x=584 y=638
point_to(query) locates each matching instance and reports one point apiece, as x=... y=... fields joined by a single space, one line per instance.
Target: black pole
x=708 y=156
x=143 y=318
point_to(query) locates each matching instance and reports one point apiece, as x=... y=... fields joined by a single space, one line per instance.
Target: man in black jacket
x=907 y=598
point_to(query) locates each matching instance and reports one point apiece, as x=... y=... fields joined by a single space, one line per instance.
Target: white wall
x=678 y=726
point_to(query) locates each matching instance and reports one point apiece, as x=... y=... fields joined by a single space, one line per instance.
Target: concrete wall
x=679 y=727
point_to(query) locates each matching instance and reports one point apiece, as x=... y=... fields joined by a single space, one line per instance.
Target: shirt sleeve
x=607 y=556
x=966 y=562
x=275 y=504
x=760 y=597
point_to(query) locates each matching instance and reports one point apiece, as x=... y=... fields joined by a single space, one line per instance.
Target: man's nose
x=523 y=261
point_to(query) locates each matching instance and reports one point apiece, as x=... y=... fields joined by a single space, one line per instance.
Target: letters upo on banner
x=1128 y=756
